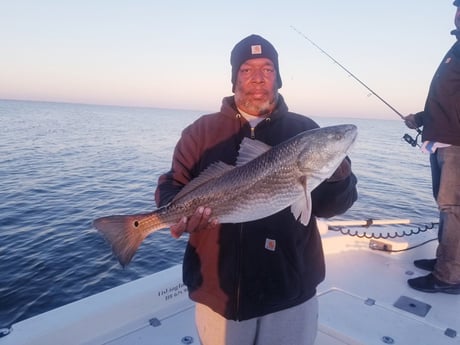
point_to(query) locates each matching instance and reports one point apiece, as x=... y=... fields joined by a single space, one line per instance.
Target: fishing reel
x=411 y=141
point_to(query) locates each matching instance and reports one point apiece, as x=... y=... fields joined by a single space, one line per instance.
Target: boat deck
x=364 y=300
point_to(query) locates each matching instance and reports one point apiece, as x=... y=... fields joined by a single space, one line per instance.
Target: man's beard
x=259 y=108
x=256 y=107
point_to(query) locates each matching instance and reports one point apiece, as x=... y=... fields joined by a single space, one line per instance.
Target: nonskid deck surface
x=178 y=328
x=365 y=298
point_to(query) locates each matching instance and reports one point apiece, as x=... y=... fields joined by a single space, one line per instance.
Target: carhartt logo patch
x=256 y=49
x=270 y=244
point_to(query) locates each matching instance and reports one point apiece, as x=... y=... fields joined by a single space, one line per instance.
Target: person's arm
x=184 y=160
x=414 y=120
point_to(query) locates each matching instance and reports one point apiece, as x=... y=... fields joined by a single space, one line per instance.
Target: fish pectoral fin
x=301 y=209
x=249 y=150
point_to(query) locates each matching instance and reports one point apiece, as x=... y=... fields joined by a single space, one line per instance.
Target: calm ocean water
x=62 y=165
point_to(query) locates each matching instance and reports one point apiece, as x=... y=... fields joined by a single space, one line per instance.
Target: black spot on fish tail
x=123 y=235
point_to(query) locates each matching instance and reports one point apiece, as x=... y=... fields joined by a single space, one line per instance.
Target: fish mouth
x=354 y=132
x=347 y=131
x=350 y=135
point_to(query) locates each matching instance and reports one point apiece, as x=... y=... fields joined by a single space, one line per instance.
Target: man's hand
x=200 y=220
x=342 y=172
x=410 y=122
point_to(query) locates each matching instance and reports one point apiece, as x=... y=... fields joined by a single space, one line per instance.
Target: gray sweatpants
x=294 y=326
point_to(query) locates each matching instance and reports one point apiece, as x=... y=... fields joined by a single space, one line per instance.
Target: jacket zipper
x=240 y=250
x=239 y=269
x=253 y=129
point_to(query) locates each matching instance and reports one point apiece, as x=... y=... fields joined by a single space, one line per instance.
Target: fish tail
x=123 y=233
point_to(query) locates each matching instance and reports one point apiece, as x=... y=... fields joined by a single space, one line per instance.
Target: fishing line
x=406 y=137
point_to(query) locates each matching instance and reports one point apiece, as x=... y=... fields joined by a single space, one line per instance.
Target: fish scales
x=234 y=196
x=270 y=180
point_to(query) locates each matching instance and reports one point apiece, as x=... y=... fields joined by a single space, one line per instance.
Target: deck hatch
x=349 y=320
x=412 y=306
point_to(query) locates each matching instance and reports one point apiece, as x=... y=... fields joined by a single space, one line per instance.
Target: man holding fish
x=254 y=281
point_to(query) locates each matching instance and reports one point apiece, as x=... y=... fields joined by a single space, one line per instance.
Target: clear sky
x=175 y=54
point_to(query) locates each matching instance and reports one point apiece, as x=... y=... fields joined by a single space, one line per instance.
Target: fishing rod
x=406 y=137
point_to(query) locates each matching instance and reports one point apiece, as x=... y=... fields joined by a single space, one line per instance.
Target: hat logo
x=256 y=49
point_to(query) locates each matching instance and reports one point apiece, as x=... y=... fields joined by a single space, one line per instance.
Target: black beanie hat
x=253 y=47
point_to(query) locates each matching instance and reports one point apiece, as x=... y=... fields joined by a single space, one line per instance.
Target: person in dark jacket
x=254 y=282
x=441 y=138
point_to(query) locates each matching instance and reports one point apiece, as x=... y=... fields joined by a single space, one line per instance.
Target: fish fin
x=123 y=233
x=301 y=209
x=250 y=149
x=211 y=172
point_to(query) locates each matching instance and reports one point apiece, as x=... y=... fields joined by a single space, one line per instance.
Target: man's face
x=256 y=90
